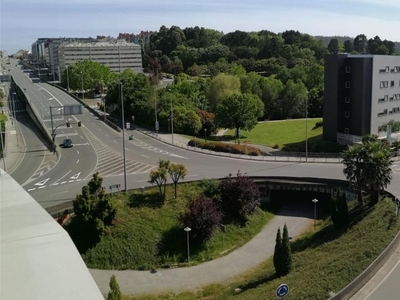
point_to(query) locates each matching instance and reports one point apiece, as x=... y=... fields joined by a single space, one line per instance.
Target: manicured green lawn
x=3 y=117
x=324 y=261
x=280 y=133
x=147 y=233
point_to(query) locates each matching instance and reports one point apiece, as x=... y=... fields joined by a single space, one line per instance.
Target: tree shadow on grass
x=256 y=283
x=314 y=144
x=330 y=233
x=172 y=247
x=151 y=200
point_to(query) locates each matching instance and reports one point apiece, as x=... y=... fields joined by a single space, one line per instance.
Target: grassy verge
x=324 y=261
x=3 y=117
x=148 y=235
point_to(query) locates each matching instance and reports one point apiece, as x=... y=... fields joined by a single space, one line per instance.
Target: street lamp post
x=205 y=135
x=104 y=100
x=3 y=146
x=172 y=123
x=306 y=127
x=123 y=133
x=83 y=93
x=188 y=229
x=67 y=80
x=315 y=212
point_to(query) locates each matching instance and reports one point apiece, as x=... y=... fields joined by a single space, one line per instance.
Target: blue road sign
x=282 y=290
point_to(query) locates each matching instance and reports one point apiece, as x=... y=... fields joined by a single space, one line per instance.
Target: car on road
x=67 y=143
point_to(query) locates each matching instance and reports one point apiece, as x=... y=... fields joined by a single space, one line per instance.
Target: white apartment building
x=117 y=56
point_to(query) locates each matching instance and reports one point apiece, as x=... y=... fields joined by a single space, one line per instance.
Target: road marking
x=69 y=181
x=78 y=179
x=62 y=177
x=42 y=182
x=41 y=187
x=63 y=182
x=175 y=155
x=146 y=156
x=77 y=151
x=76 y=176
x=77 y=161
x=31 y=189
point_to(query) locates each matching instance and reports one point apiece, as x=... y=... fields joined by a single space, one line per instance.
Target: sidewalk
x=220 y=270
x=13 y=150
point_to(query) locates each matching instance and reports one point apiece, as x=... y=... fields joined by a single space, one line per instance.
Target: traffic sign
x=128 y=125
x=282 y=290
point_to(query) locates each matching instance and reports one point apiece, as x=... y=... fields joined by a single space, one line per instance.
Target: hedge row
x=225 y=147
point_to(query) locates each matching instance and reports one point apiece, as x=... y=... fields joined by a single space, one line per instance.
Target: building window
x=347 y=69
x=392 y=83
x=346 y=131
x=387 y=69
x=347 y=99
x=384 y=84
x=347 y=84
x=386 y=97
x=347 y=114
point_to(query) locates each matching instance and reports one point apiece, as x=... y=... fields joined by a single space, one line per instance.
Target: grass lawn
x=324 y=261
x=280 y=132
x=3 y=117
x=148 y=235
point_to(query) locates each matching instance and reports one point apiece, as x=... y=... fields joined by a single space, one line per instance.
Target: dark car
x=67 y=143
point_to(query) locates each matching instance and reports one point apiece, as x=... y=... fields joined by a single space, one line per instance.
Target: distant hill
x=341 y=39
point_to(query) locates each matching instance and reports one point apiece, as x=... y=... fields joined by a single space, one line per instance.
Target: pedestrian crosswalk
x=110 y=163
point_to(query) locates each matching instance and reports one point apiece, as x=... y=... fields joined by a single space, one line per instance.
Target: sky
x=22 y=22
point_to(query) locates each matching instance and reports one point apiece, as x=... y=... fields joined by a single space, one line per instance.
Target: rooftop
x=38 y=258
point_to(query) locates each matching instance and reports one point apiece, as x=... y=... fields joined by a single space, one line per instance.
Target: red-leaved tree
x=203 y=217
x=239 y=198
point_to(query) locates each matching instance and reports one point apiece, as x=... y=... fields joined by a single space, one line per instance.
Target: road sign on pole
x=128 y=125
x=282 y=290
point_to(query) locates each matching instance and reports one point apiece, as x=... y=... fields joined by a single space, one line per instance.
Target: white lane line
x=126 y=149
x=77 y=161
x=71 y=181
x=77 y=151
x=63 y=182
x=62 y=177
x=146 y=156
x=31 y=189
x=41 y=187
x=82 y=137
x=78 y=179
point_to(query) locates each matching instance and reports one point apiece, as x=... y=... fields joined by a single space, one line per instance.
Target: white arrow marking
x=75 y=176
x=43 y=182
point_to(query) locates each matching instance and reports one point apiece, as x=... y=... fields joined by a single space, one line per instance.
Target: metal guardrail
x=243 y=156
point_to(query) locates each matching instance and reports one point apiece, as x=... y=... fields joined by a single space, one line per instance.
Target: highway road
x=99 y=148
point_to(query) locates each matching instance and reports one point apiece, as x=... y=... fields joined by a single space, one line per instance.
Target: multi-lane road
x=51 y=179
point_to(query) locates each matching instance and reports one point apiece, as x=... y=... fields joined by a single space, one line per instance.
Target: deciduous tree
x=176 y=172
x=115 y=292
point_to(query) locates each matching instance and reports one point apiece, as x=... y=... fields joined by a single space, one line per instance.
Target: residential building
x=117 y=55
x=361 y=95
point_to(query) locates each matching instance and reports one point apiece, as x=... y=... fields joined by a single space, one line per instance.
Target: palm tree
x=353 y=162
x=377 y=168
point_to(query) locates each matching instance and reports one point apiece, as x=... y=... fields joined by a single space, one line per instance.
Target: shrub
x=114 y=293
x=202 y=217
x=239 y=198
x=225 y=147
x=338 y=209
x=210 y=187
x=283 y=254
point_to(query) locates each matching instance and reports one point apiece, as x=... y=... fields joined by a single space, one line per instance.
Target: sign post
x=282 y=290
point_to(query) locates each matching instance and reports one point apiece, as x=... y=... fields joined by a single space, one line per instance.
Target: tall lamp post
x=3 y=146
x=83 y=93
x=307 y=127
x=123 y=133
x=172 y=123
x=315 y=211
x=67 y=80
x=188 y=229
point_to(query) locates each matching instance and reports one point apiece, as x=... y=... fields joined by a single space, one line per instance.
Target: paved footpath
x=260 y=248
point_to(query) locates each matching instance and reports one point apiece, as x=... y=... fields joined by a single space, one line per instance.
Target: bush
x=283 y=254
x=339 y=210
x=210 y=187
x=202 y=217
x=115 y=292
x=239 y=198
x=225 y=147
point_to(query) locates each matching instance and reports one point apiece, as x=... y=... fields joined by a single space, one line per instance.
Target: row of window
x=395 y=69
x=386 y=98
x=385 y=84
